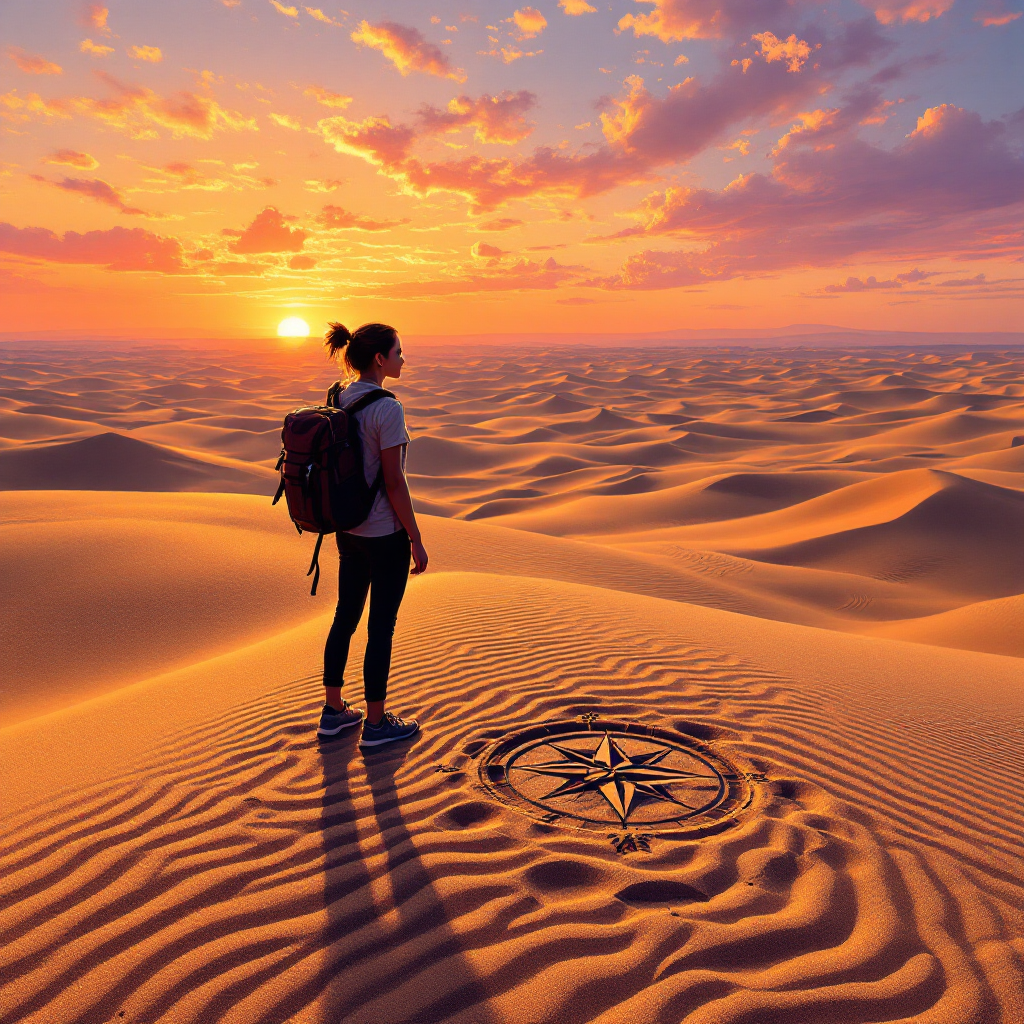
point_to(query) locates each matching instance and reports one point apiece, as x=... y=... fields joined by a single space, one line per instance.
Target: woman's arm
x=401 y=501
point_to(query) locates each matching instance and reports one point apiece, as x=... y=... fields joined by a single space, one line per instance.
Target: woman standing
x=375 y=554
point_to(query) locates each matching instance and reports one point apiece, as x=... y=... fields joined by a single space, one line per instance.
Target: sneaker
x=332 y=721
x=389 y=728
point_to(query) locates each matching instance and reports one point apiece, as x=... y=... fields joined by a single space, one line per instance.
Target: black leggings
x=380 y=565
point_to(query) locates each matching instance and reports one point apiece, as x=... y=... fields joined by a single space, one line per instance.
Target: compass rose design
x=596 y=774
x=619 y=777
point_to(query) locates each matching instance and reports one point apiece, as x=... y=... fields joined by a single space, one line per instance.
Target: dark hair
x=360 y=345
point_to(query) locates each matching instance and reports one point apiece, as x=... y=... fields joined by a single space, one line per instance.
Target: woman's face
x=393 y=362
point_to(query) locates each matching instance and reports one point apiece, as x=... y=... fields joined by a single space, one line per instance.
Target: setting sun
x=293 y=327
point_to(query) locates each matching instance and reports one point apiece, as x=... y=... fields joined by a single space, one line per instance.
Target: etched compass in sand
x=600 y=774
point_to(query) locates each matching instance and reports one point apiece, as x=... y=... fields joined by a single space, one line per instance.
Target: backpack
x=321 y=466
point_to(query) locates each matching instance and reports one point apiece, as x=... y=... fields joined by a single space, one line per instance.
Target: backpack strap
x=368 y=399
x=315 y=564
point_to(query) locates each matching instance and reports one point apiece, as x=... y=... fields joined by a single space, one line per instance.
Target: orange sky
x=210 y=168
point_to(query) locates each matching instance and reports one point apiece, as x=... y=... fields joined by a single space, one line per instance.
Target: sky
x=206 y=168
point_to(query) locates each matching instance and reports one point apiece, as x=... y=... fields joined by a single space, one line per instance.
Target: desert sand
x=810 y=561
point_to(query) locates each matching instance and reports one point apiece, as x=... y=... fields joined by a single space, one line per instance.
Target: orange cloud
x=338 y=219
x=286 y=121
x=322 y=185
x=407 y=49
x=509 y=53
x=914 y=10
x=33 y=63
x=116 y=248
x=302 y=263
x=138 y=111
x=72 y=158
x=93 y=188
x=493 y=118
x=792 y=50
x=327 y=98
x=530 y=22
x=96 y=16
x=95 y=49
x=152 y=54
x=269 y=232
x=500 y=224
x=524 y=275
x=576 y=7
x=14 y=107
x=315 y=12
x=374 y=139
x=995 y=16
x=291 y=12
x=672 y=21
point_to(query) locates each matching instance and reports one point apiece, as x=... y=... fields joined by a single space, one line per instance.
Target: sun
x=293 y=327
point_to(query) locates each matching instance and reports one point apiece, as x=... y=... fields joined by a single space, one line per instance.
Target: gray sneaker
x=388 y=729
x=333 y=721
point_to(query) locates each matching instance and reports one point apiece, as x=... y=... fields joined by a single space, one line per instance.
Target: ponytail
x=360 y=346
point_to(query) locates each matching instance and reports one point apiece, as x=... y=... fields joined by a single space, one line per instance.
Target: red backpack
x=321 y=468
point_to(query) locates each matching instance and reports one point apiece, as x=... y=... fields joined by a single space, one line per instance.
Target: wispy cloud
x=407 y=49
x=151 y=54
x=94 y=188
x=33 y=63
x=72 y=158
x=125 y=249
x=327 y=98
x=336 y=218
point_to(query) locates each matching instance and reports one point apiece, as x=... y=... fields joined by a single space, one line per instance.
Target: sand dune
x=105 y=462
x=810 y=562
x=232 y=869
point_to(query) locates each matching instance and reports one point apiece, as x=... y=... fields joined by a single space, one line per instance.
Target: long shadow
x=374 y=916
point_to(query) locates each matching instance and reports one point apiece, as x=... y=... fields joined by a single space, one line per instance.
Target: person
x=375 y=554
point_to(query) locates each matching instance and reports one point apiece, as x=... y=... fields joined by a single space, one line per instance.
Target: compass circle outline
x=498 y=769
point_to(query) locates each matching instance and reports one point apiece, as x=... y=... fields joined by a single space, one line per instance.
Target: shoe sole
x=387 y=739
x=334 y=732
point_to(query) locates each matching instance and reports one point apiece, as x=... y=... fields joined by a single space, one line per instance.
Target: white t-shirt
x=381 y=425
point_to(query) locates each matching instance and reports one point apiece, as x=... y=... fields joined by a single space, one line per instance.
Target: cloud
x=672 y=21
x=484 y=251
x=152 y=54
x=138 y=112
x=286 y=121
x=302 y=263
x=326 y=97
x=964 y=282
x=94 y=188
x=95 y=49
x=315 y=12
x=995 y=15
x=530 y=22
x=33 y=63
x=339 y=219
x=72 y=158
x=290 y=12
x=407 y=49
x=116 y=248
x=375 y=139
x=792 y=50
x=500 y=224
x=15 y=107
x=493 y=118
x=188 y=177
x=953 y=187
x=869 y=284
x=914 y=10
x=268 y=233
x=322 y=184
x=576 y=7
x=95 y=16
x=509 y=53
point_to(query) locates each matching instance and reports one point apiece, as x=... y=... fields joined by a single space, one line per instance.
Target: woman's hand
x=419 y=558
